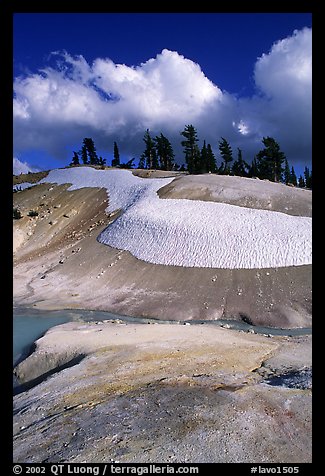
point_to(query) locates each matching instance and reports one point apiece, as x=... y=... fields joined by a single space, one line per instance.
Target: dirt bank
x=241 y=191
x=114 y=391
x=58 y=264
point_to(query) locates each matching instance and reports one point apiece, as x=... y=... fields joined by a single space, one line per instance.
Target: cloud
x=286 y=71
x=22 y=167
x=283 y=78
x=59 y=106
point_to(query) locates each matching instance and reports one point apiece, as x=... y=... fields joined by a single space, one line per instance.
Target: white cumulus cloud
x=283 y=106
x=59 y=106
x=286 y=72
x=20 y=167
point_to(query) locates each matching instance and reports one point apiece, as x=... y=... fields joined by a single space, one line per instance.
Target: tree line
x=269 y=163
x=88 y=156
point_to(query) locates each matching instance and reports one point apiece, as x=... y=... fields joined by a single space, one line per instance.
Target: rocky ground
x=164 y=393
x=59 y=264
x=115 y=391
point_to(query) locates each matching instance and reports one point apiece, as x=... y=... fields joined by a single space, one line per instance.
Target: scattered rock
x=300 y=379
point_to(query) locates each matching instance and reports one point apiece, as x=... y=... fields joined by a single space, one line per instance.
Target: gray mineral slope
x=241 y=191
x=58 y=262
x=163 y=393
x=114 y=391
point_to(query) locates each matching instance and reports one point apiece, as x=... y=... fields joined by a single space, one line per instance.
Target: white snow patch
x=192 y=233
x=123 y=188
x=23 y=185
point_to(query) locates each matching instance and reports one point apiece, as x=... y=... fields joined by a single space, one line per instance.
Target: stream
x=30 y=324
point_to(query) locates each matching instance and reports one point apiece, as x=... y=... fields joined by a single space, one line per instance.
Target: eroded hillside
x=59 y=263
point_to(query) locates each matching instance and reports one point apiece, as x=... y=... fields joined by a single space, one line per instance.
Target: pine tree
x=197 y=161
x=204 y=158
x=310 y=181
x=286 y=173
x=293 y=177
x=301 y=182
x=164 y=152
x=101 y=162
x=84 y=155
x=307 y=175
x=270 y=160
x=149 y=153
x=128 y=165
x=240 y=167
x=253 y=169
x=226 y=154
x=190 y=148
x=206 y=161
x=211 y=160
x=88 y=152
x=91 y=150
x=116 y=160
x=142 y=162
x=75 y=159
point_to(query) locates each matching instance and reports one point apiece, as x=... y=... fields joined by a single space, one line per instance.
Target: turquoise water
x=30 y=324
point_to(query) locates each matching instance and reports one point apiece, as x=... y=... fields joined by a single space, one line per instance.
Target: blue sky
x=238 y=75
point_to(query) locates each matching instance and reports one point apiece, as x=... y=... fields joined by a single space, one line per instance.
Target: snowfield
x=191 y=233
x=22 y=186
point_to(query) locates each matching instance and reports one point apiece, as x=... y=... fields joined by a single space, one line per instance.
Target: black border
x=6 y=31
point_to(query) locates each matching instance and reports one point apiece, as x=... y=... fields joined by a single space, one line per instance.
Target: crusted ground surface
x=113 y=391
x=58 y=263
x=163 y=393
